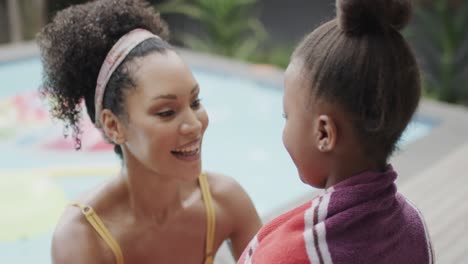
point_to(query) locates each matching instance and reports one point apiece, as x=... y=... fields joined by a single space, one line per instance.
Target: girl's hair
x=360 y=62
x=73 y=47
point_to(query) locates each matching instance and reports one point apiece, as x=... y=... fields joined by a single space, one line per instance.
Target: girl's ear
x=326 y=133
x=112 y=127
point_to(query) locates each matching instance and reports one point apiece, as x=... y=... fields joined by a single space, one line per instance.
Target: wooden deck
x=441 y=193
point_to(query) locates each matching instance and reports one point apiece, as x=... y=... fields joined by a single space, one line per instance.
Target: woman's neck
x=153 y=196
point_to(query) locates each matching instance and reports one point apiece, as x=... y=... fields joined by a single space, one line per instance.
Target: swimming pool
x=40 y=172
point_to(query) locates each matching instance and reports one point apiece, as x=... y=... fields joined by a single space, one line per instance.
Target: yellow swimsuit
x=101 y=229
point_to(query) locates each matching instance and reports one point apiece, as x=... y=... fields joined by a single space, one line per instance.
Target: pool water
x=243 y=140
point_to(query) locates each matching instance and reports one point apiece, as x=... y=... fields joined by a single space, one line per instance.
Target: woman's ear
x=112 y=127
x=326 y=133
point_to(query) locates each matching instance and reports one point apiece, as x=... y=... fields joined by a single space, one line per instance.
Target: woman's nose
x=191 y=124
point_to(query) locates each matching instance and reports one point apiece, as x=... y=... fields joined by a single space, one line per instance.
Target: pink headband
x=114 y=58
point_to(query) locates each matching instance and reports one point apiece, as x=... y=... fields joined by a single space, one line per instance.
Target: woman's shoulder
x=75 y=241
x=75 y=236
x=238 y=210
x=231 y=198
x=223 y=187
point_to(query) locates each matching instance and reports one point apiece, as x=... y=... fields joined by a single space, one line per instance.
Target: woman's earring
x=321 y=147
x=117 y=141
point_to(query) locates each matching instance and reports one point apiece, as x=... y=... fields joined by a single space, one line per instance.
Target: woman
x=161 y=208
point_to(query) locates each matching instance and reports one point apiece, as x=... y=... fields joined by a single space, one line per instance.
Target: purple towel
x=360 y=220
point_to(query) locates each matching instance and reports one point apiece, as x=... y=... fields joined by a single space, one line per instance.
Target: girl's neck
x=349 y=167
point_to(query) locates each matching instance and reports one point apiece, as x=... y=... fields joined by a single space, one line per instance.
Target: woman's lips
x=189 y=151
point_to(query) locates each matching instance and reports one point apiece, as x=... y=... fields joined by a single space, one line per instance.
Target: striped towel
x=360 y=220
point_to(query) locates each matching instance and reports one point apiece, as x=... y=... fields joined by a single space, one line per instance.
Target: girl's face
x=166 y=120
x=301 y=133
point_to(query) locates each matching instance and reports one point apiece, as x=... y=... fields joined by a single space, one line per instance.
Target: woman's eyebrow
x=165 y=96
x=195 y=89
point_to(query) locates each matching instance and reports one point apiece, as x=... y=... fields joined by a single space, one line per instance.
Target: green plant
x=440 y=37
x=277 y=55
x=229 y=26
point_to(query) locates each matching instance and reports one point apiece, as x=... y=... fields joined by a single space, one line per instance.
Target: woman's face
x=166 y=120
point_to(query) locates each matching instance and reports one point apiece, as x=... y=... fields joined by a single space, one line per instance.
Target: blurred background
x=236 y=47
x=265 y=31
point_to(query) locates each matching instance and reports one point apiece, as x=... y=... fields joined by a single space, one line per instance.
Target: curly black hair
x=73 y=47
x=361 y=62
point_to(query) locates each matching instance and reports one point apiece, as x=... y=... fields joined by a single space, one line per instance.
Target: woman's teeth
x=186 y=151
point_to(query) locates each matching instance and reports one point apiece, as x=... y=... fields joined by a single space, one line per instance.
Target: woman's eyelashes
x=167 y=113
x=196 y=103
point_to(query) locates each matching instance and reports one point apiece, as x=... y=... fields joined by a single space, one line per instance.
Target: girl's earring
x=321 y=147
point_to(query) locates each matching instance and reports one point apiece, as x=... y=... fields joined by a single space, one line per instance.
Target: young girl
x=351 y=88
x=161 y=208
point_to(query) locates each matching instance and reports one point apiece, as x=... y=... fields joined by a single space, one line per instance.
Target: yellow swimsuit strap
x=101 y=229
x=210 y=218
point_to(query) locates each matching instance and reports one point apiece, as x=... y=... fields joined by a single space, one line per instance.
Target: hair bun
x=372 y=16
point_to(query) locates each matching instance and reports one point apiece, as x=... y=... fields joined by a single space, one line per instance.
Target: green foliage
x=440 y=38
x=277 y=55
x=229 y=26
